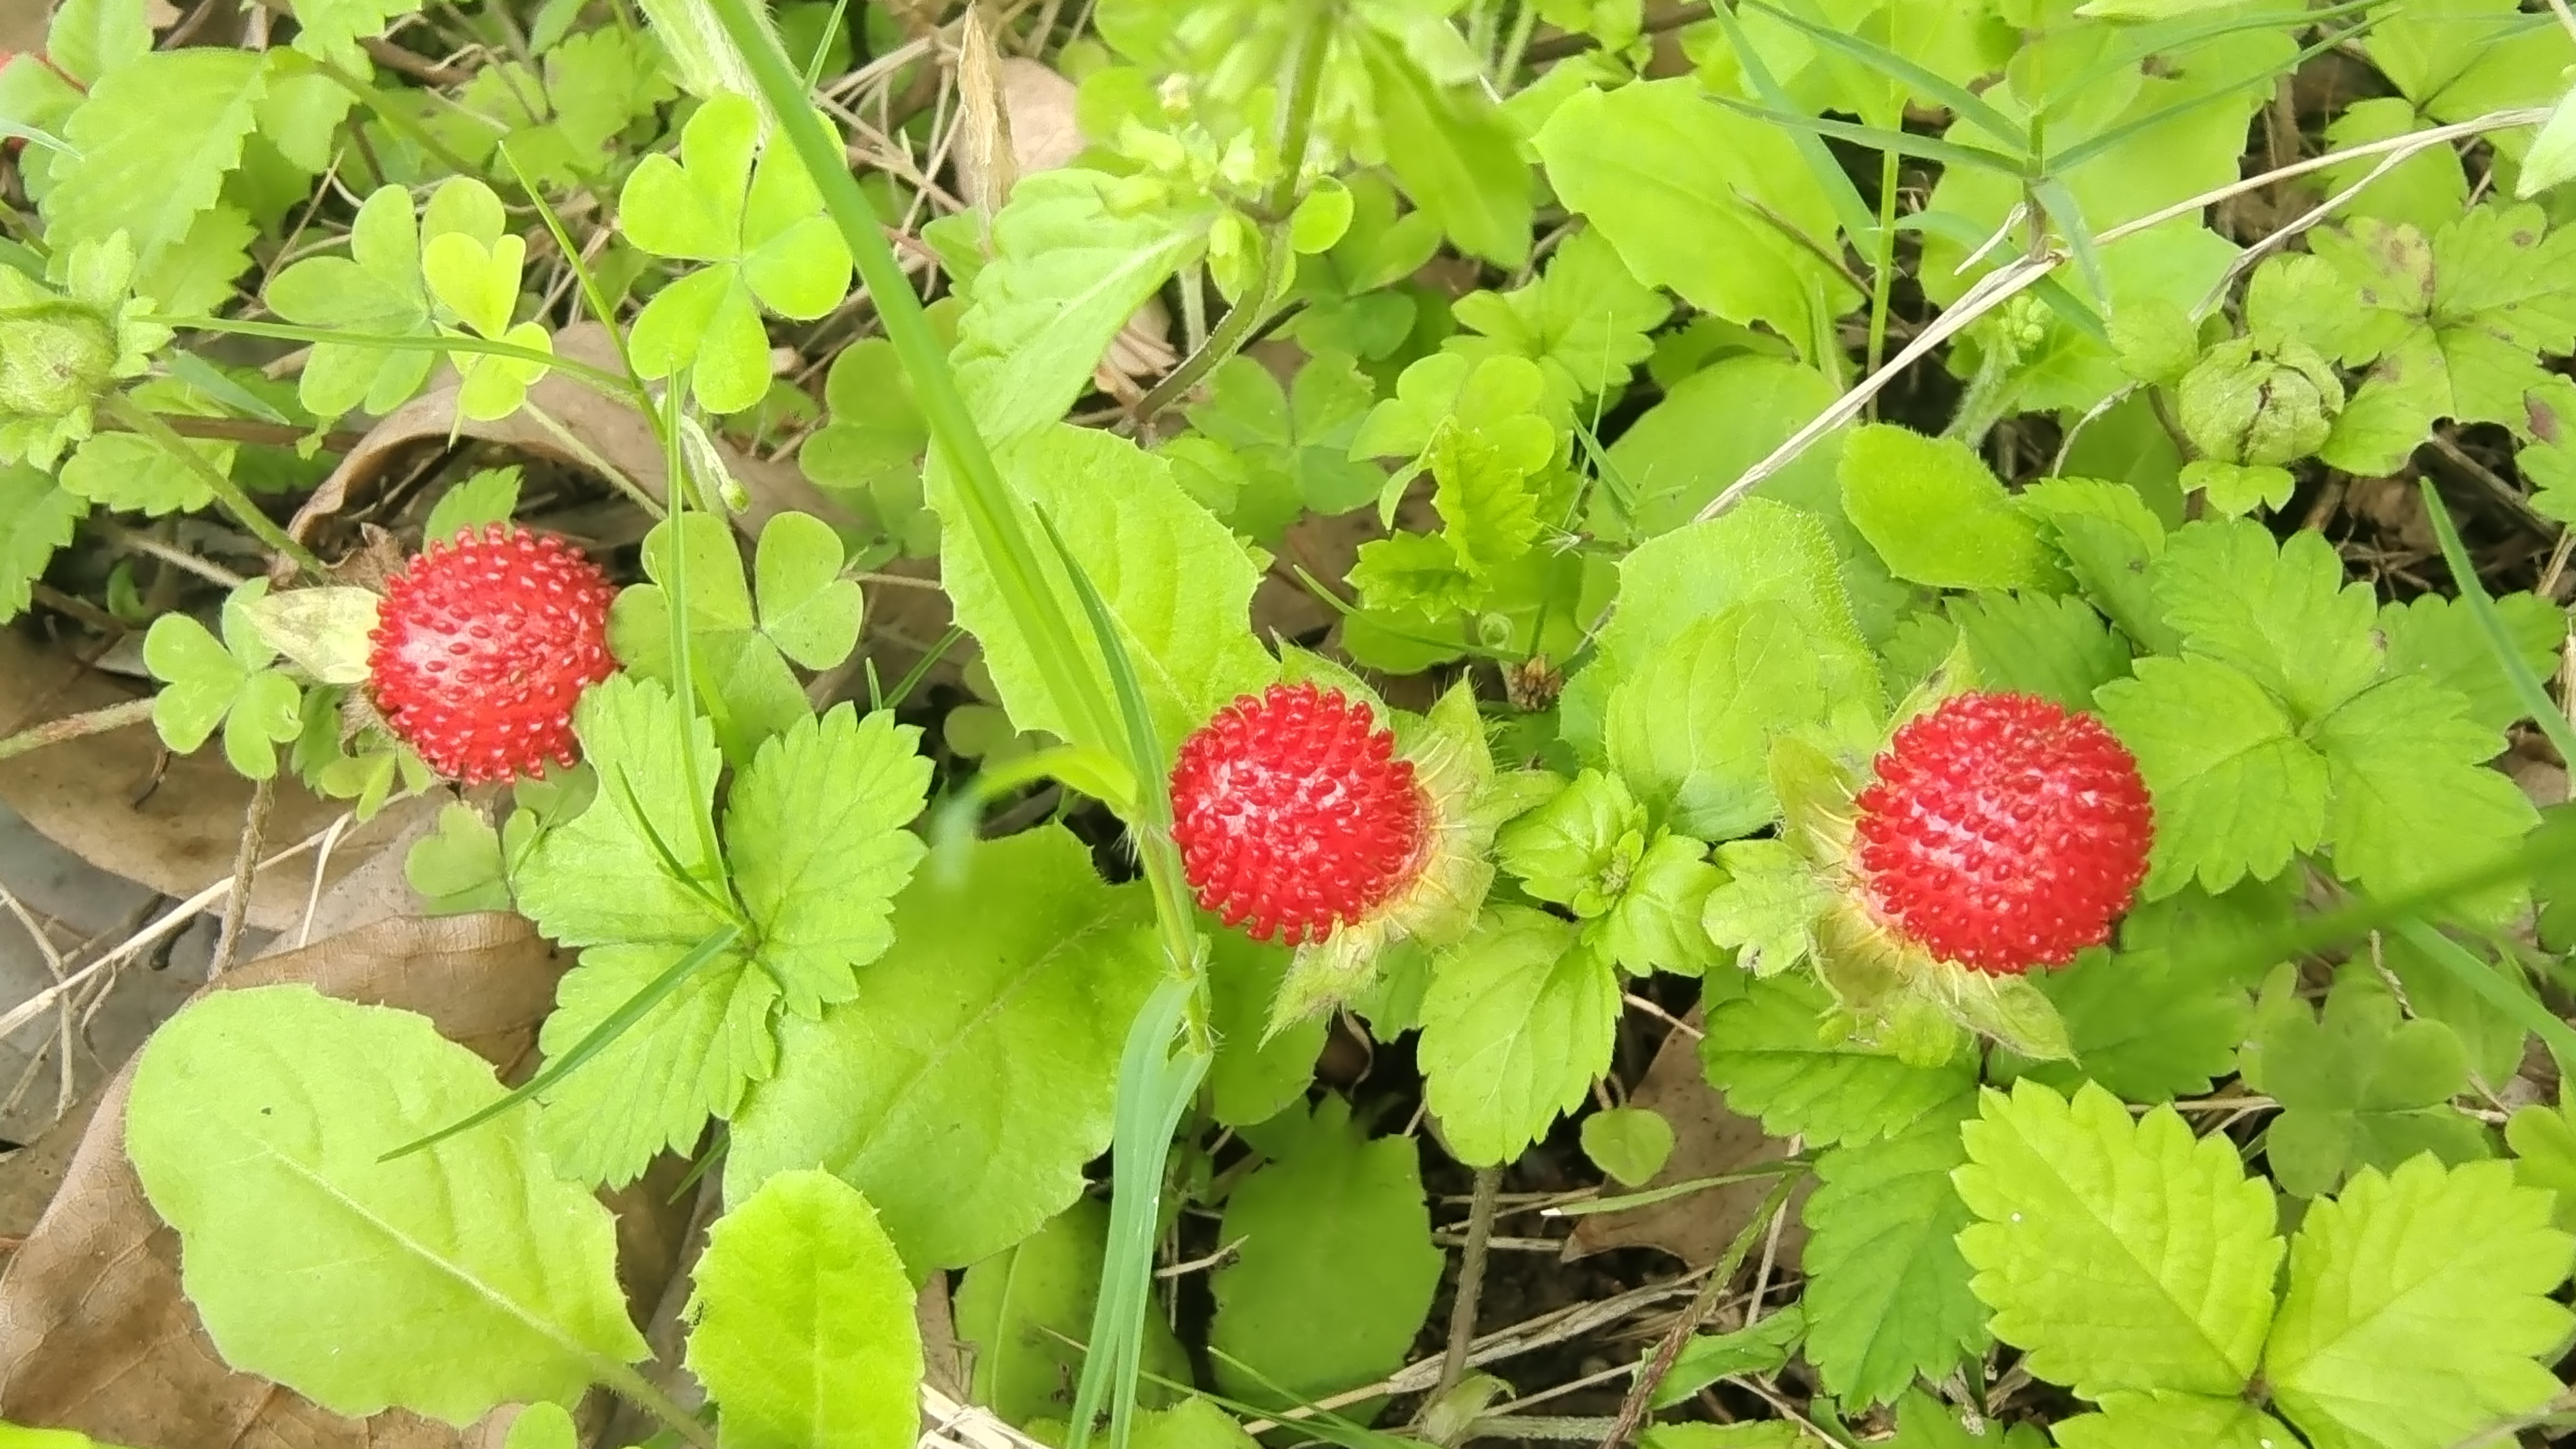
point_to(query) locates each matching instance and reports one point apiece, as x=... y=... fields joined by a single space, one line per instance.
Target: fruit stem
x=226 y=491
x=76 y=726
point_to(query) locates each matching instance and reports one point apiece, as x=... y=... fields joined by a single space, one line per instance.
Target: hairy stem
x=1471 y=1279
x=75 y=726
x=1632 y=1410
x=226 y=491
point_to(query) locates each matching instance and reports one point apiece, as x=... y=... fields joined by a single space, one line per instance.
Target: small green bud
x=2263 y=410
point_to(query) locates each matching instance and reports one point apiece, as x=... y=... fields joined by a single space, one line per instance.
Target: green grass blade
x=1881 y=138
x=2550 y=847
x=592 y=296
x=991 y=509
x=1858 y=222
x=2062 y=209
x=2482 y=978
x=593 y=1043
x=2464 y=576
x=1970 y=107
x=2061 y=299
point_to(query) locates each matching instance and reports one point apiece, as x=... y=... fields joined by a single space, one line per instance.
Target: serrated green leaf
x=1656 y=922
x=1767 y=906
x=2280 y=615
x=490 y=495
x=2439 y=639
x=2119 y=1254
x=129 y=473
x=2154 y=1421
x=1754 y=1434
x=89 y=38
x=2236 y=792
x=1887 y=1291
x=2148 y=1024
x=1021 y=1314
x=802 y=1323
x=539 y=1426
x=814 y=834
x=258 y=1123
x=1937 y=515
x=154 y=141
x=1770 y=1053
x=2416 y=1303
x=1068 y=270
x=1518 y=1023
x=1690 y=726
x=972 y=1076
x=1335 y=1270
x=2055 y=647
x=598 y=879
x=1569 y=849
x=331 y=29
x=1177 y=584
x=1584 y=320
x=36 y=518
x=2108 y=538
x=2358 y=1087
x=2410 y=799
x=2543 y=1140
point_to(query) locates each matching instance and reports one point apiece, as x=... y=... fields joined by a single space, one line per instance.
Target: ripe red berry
x=481 y=647
x=2003 y=832
x=1293 y=814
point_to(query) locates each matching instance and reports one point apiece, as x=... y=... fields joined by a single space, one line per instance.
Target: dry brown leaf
x=97 y=798
x=603 y=427
x=1708 y=1139
x=94 y=1332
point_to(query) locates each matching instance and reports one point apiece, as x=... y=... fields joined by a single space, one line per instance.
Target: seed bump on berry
x=1293 y=814
x=483 y=645
x=2003 y=832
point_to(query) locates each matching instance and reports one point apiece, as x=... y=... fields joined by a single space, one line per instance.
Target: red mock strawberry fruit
x=1294 y=816
x=2003 y=832
x=481 y=647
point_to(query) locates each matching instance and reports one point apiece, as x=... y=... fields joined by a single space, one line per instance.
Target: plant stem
x=226 y=491
x=263 y=796
x=404 y=126
x=1249 y=310
x=638 y=1390
x=76 y=726
x=1471 y=1280
x=1882 y=274
x=1632 y=1410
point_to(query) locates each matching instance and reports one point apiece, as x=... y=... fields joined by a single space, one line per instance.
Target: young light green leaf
x=814 y=833
x=331 y=29
x=2108 y=538
x=1770 y=1053
x=540 y=1426
x=1767 y=906
x=1936 y=514
x=1706 y=431
x=1578 y=848
x=2358 y=1087
x=2416 y=1304
x=1335 y=1270
x=1021 y=1314
x=2119 y=1254
x=459 y=868
x=2552 y=158
x=2543 y=1140
x=376 y=289
x=1887 y=1290
x=1583 y=321
x=1518 y=1023
x=209 y=681
x=1177 y=584
x=744 y=687
x=803 y=1327
x=1631 y=1144
x=258 y=1124
x=489 y=496
x=972 y=1076
x=2236 y=791
x=128 y=473
x=1688 y=192
x=1656 y=923
x=806 y=608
